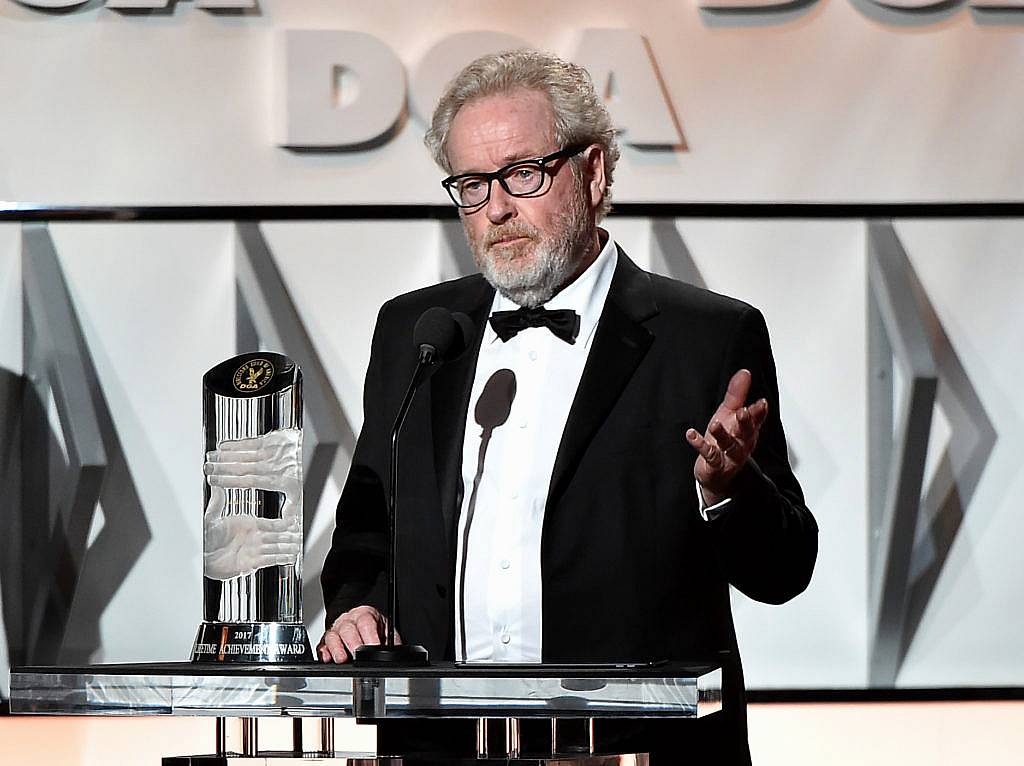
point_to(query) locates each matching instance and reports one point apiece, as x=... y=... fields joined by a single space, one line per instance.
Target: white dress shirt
x=500 y=586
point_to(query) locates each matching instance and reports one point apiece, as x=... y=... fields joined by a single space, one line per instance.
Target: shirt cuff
x=710 y=512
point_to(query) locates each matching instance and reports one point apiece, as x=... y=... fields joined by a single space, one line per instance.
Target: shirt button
x=533 y=356
x=505 y=563
x=506 y=638
x=514 y=494
x=524 y=423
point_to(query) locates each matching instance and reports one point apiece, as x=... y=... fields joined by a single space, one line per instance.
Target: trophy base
x=270 y=643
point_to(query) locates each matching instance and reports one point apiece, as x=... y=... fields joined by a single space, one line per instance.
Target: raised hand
x=235 y=544
x=729 y=440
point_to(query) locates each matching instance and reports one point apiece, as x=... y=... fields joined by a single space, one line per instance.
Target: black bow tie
x=564 y=323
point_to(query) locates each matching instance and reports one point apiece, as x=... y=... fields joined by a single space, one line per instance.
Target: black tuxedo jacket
x=630 y=570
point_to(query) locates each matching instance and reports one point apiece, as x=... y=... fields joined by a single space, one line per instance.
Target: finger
x=726 y=441
x=244 y=445
x=731 y=448
x=711 y=453
x=273 y=560
x=276 y=535
x=217 y=503
x=705 y=447
x=737 y=391
x=278 y=542
x=233 y=468
x=279 y=536
x=280 y=549
x=758 y=412
x=260 y=457
x=229 y=455
x=694 y=438
x=281 y=554
x=272 y=439
x=287 y=539
x=370 y=627
x=291 y=511
x=322 y=652
x=745 y=428
x=349 y=636
x=334 y=647
x=269 y=483
x=287 y=528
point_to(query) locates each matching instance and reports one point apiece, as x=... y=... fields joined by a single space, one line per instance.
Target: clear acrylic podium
x=571 y=697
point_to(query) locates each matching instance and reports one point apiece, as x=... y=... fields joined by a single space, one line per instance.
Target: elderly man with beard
x=639 y=467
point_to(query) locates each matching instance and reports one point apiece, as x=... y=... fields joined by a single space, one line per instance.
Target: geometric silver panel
x=72 y=524
x=670 y=255
x=456 y=257
x=913 y=520
x=267 y=319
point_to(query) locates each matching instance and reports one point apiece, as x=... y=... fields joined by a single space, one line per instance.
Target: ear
x=593 y=173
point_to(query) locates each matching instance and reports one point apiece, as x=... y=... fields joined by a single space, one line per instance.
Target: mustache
x=507 y=230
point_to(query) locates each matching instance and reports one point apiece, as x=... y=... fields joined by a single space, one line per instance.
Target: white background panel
x=833 y=105
x=10 y=298
x=156 y=305
x=10 y=354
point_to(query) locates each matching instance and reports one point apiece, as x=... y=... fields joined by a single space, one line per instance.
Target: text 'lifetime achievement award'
x=252 y=522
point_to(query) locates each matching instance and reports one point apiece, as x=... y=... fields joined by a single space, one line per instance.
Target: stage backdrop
x=896 y=341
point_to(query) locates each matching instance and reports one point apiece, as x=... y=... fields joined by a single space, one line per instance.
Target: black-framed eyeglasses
x=521 y=178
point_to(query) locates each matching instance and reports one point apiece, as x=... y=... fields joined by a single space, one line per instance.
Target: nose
x=501 y=206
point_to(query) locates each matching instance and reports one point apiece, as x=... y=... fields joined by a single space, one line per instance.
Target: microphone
x=438 y=336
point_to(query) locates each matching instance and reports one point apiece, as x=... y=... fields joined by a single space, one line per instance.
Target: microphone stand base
x=402 y=654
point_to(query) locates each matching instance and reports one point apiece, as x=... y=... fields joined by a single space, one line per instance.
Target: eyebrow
x=507 y=160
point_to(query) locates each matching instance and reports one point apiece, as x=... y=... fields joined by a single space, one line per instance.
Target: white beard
x=532 y=281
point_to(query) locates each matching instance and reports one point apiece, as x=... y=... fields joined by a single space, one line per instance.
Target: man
x=585 y=482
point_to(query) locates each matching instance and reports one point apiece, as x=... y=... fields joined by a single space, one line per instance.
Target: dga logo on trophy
x=253 y=375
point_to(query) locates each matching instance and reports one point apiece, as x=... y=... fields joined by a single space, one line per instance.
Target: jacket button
x=442 y=591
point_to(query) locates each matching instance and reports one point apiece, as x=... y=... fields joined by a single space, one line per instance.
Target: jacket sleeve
x=353 y=571
x=767 y=540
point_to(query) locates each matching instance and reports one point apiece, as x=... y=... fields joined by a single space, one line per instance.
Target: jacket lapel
x=450 y=388
x=620 y=343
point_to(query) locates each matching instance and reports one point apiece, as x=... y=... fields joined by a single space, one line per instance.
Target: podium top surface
x=657 y=669
x=666 y=689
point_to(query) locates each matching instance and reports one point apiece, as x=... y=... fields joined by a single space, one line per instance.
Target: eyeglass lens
x=518 y=180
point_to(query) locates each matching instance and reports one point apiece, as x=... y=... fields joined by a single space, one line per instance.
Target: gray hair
x=580 y=115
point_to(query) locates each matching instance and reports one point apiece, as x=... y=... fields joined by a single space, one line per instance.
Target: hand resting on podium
x=354 y=628
x=240 y=543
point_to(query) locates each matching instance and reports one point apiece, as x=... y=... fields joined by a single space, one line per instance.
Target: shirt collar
x=585 y=295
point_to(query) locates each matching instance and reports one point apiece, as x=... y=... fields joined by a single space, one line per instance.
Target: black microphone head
x=441 y=335
x=435 y=332
x=464 y=336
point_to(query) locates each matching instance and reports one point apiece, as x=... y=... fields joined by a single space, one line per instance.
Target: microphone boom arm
x=423 y=365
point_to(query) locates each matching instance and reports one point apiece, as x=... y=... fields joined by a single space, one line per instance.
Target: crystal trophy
x=252 y=519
